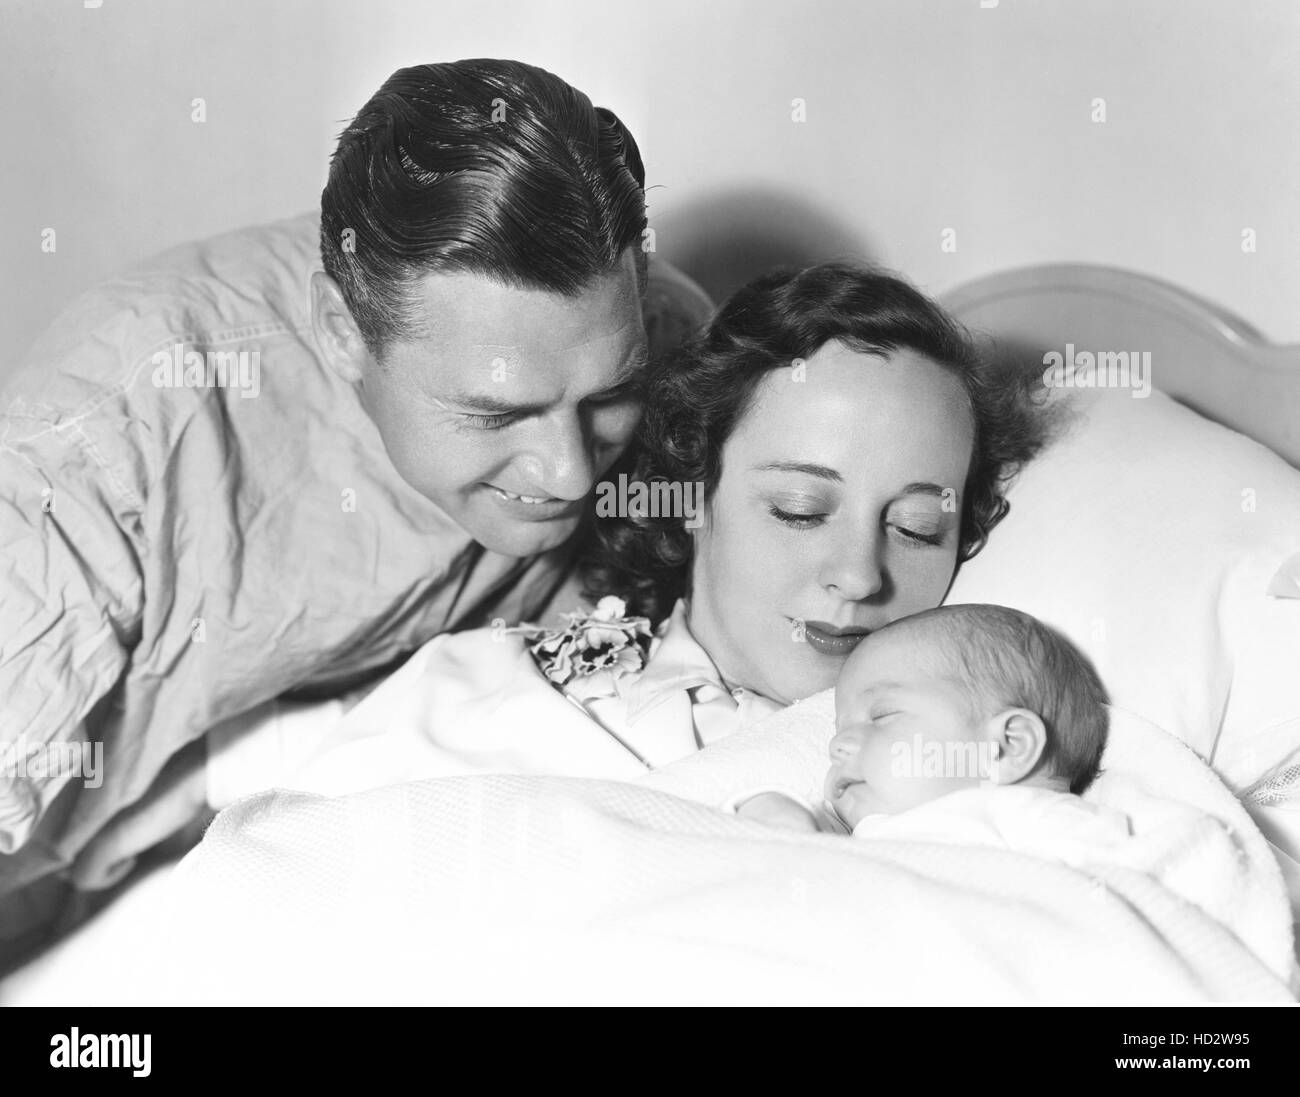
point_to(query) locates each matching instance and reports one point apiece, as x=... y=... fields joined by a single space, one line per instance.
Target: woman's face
x=837 y=510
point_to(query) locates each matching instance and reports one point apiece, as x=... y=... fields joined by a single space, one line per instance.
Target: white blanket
x=1190 y=833
x=544 y=889
x=541 y=889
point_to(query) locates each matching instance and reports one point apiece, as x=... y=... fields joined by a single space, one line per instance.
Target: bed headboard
x=1201 y=355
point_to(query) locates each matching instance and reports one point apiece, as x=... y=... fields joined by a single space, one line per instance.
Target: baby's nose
x=845 y=745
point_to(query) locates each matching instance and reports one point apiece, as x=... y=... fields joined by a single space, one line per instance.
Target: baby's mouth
x=842 y=785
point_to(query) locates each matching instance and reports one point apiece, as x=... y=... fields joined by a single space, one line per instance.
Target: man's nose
x=845 y=745
x=560 y=460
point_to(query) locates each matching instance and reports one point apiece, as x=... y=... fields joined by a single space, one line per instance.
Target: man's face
x=506 y=405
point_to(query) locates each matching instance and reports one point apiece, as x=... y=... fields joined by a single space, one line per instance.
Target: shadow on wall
x=727 y=239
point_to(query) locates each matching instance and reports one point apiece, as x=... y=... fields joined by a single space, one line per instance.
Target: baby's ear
x=1017 y=739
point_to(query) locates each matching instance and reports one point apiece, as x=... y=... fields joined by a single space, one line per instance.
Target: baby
x=941 y=715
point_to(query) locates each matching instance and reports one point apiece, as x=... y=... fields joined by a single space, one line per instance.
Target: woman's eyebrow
x=924 y=488
x=822 y=472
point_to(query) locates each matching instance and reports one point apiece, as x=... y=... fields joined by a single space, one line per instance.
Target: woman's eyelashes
x=910 y=533
x=919 y=537
x=918 y=526
x=798 y=510
x=794 y=519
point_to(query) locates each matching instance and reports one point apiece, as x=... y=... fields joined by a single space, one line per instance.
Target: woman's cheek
x=921 y=577
x=747 y=545
x=785 y=564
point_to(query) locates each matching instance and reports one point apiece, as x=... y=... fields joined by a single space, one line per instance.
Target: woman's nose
x=851 y=568
x=845 y=745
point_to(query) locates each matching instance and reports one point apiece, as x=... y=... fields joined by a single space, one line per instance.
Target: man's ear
x=1017 y=738
x=336 y=332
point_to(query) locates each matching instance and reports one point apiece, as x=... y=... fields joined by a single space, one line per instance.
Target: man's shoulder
x=246 y=273
x=239 y=286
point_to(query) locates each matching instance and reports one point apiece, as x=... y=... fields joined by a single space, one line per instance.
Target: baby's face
x=905 y=733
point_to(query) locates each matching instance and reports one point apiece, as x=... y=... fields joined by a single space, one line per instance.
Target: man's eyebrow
x=487 y=404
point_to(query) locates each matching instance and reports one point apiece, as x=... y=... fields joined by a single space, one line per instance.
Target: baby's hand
x=777 y=810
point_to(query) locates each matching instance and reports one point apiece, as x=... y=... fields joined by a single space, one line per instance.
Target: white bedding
x=531 y=888
x=1190 y=833
x=487 y=889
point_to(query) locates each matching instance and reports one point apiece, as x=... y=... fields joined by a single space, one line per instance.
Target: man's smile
x=534 y=508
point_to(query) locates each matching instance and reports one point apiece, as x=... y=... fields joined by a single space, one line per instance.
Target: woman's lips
x=829 y=640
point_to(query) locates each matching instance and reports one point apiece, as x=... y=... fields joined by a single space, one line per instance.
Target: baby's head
x=961 y=696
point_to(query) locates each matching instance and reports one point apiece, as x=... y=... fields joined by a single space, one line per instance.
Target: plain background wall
x=921 y=116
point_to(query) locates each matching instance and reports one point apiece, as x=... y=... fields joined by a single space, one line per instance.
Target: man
x=226 y=477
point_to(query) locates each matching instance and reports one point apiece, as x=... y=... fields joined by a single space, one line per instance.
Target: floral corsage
x=586 y=659
x=603 y=642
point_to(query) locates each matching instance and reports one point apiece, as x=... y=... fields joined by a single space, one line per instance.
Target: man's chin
x=523 y=538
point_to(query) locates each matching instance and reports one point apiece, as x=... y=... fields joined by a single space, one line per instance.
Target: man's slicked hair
x=495 y=168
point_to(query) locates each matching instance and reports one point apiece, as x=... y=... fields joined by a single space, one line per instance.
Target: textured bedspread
x=536 y=889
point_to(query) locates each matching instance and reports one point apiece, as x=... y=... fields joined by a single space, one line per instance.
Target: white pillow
x=1151 y=537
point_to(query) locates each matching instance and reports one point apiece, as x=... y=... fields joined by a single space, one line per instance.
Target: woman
x=852 y=449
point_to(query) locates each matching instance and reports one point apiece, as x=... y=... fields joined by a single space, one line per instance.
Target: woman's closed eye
x=796 y=519
x=917 y=525
x=919 y=536
x=812 y=519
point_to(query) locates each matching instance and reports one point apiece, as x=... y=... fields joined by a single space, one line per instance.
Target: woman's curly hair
x=695 y=397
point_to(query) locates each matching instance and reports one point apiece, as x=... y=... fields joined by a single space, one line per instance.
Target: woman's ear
x=1017 y=739
x=337 y=334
